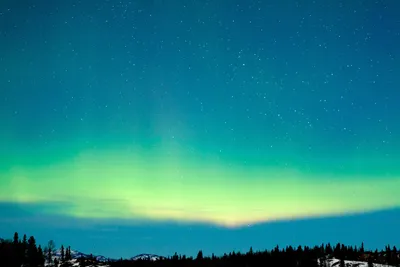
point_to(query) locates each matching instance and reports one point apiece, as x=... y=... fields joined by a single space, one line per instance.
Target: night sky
x=162 y=126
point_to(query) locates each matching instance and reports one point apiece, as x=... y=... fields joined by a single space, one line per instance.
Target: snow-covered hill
x=101 y=261
x=151 y=257
x=75 y=263
x=336 y=263
x=77 y=255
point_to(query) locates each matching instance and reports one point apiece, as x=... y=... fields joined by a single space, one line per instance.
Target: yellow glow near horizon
x=123 y=186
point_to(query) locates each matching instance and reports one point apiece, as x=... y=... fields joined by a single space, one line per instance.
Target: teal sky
x=220 y=113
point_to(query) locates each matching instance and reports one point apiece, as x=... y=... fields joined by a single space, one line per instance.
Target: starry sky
x=154 y=125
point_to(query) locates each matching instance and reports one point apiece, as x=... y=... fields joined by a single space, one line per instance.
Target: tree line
x=16 y=253
x=25 y=252
x=289 y=256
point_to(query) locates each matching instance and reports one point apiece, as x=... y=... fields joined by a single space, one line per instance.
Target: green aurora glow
x=157 y=110
x=123 y=184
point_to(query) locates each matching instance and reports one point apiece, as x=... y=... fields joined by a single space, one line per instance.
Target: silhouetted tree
x=175 y=257
x=328 y=249
x=199 y=255
x=370 y=262
x=14 y=253
x=40 y=255
x=62 y=253
x=251 y=251
x=341 y=264
x=32 y=252
x=395 y=260
x=69 y=253
x=11 y=256
x=16 y=239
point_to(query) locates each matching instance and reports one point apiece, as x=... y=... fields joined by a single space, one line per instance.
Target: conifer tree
x=16 y=239
x=336 y=251
x=328 y=249
x=175 y=257
x=251 y=251
x=23 y=249
x=62 y=253
x=342 y=264
x=24 y=241
x=40 y=256
x=199 y=255
x=395 y=256
x=69 y=256
x=66 y=257
x=370 y=262
x=388 y=253
x=32 y=253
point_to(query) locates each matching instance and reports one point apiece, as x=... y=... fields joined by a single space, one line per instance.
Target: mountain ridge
x=75 y=254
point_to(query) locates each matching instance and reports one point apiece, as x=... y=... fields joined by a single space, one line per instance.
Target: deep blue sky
x=229 y=114
x=124 y=239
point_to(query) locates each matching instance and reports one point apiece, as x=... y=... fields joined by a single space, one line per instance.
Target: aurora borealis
x=173 y=190
x=224 y=113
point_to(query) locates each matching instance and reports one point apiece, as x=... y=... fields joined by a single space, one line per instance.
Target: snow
x=333 y=262
x=151 y=257
x=76 y=255
x=336 y=263
x=75 y=263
